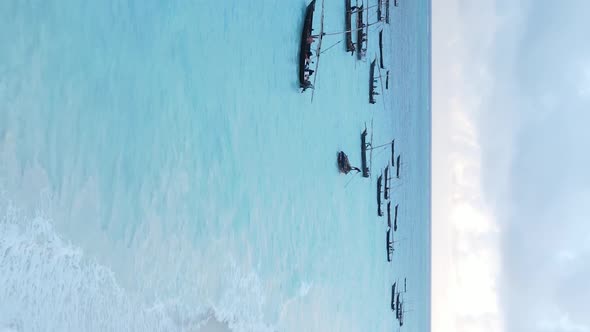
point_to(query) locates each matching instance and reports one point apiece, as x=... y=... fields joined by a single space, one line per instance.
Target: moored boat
x=386 y=184
x=361 y=37
x=393 y=296
x=379 y=180
x=364 y=147
x=395 y=219
x=389 y=214
x=372 y=82
x=348 y=26
x=381 y=49
x=305 y=48
x=389 y=246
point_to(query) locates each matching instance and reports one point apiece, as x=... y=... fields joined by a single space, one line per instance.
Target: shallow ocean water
x=159 y=169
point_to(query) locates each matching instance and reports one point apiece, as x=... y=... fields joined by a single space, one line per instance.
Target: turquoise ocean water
x=159 y=168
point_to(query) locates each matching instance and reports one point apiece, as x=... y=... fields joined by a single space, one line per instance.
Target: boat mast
x=318 y=51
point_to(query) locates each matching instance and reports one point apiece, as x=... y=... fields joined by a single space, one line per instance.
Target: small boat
x=393 y=296
x=361 y=37
x=397 y=306
x=379 y=180
x=387 y=11
x=393 y=153
x=386 y=187
x=381 y=49
x=344 y=165
x=395 y=219
x=401 y=314
x=398 y=166
x=305 y=48
x=372 y=83
x=387 y=80
x=348 y=25
x=395 y=3
x=389 y=214
x=405 y=286
x=379 y=12
x=389 y=244
x=364 y=147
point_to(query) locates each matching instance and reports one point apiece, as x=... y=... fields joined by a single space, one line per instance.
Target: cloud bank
x=511 y=96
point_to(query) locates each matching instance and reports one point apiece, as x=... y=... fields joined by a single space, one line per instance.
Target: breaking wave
x=49 y=285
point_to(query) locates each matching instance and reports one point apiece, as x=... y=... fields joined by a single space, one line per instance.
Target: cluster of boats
x=309 y=57
x=384 y=190
x=397 y=304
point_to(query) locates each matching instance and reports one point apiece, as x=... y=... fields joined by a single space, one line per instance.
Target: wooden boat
x=381 y=49
x=361 y=36
x=395 y=219
x=348 y=25
x=393 y=296
x=389 y=245
x=389 y=214
x=386 y=186
x=364 y=147
x=392 y=153
x=397 y=306
x=372 y=83
x=379 y=180
x=305 y=47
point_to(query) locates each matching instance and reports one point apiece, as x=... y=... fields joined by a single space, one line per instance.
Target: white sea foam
x=49 y=285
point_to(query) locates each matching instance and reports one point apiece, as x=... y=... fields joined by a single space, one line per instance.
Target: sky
x=511 y=149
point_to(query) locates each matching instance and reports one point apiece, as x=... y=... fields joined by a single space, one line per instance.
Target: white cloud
x=466 y=247
x=511 y=93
